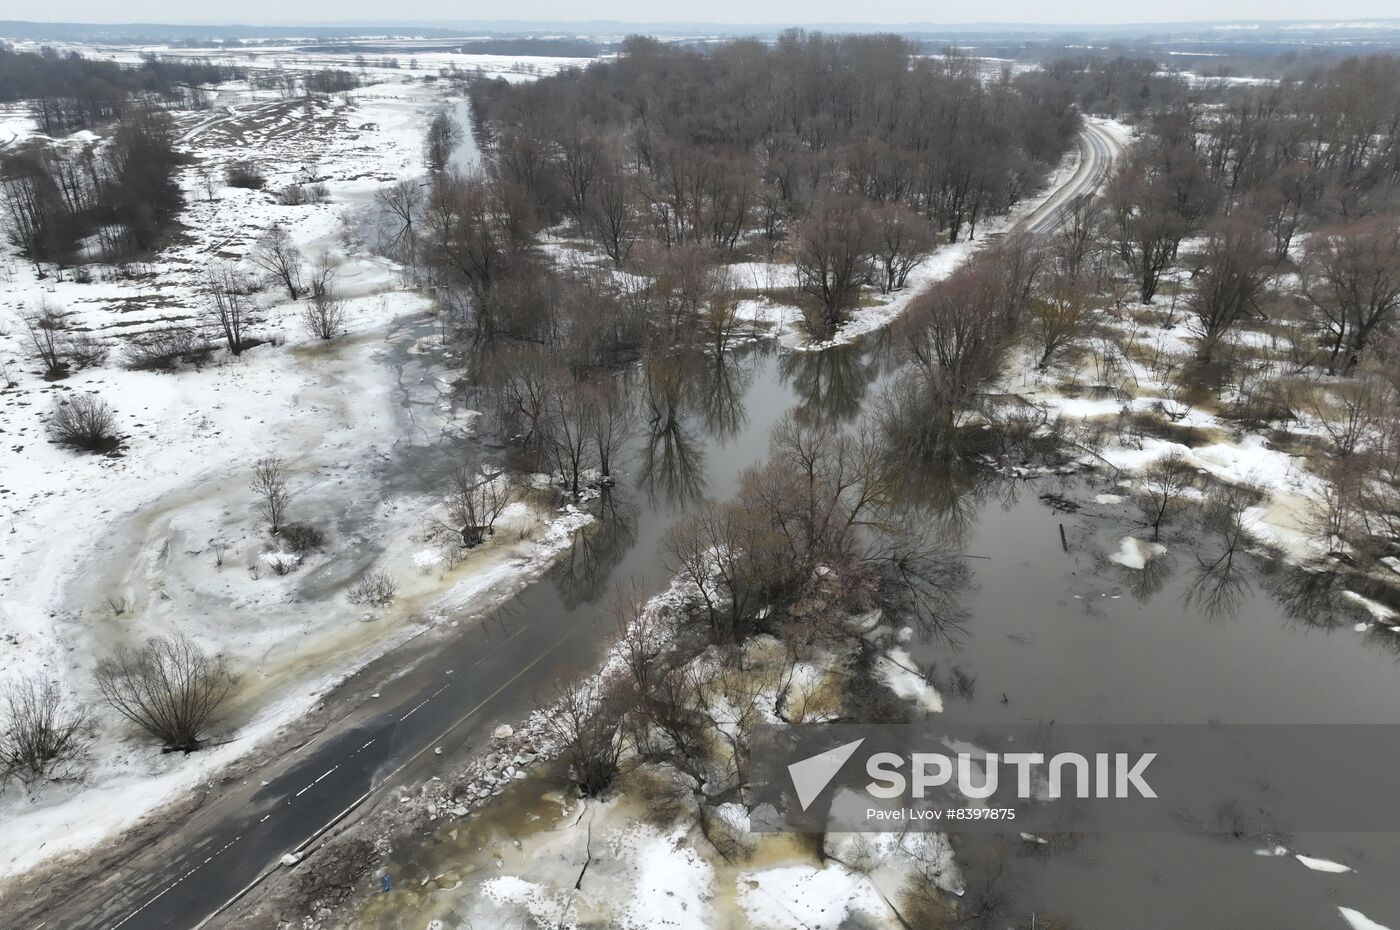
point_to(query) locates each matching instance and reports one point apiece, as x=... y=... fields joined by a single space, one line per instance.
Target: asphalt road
x=245 y=828
x=493 y=670
x=1097 y=152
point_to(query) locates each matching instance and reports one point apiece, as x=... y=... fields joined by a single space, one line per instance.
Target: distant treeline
x=563 y=48
x=70 y=92
x=556 y=47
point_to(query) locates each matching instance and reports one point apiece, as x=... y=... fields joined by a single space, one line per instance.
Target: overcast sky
x=799 y=12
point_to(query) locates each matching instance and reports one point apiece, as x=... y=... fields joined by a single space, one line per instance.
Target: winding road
x=382 y=727
x=1098 y=150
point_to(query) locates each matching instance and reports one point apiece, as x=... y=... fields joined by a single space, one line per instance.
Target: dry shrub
x=167 y=349
x=170 y=688
x=303 y=537
x=83 y=421
x=245 y=174
x=44 y=737
x=376 y=588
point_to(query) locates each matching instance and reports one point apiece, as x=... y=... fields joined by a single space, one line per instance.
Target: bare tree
x=401 y=204
x=443 y=136
x=270 y=485
x=1351 y=277
x=226 y=304
x=832 y=252
x=584 y=718
x=1232 y=277
x=723 y=550
x=44 y=736
x=720 y=317
x=611 y=216
x=608 y=423
x=1059 y=315
x=323 y=273
x=276 y=254
x=474 y=502
x=1162 y=487
x=901 y=240
x=1077 y=237
x=566 y=436
x=170 y=688
x=1156 y=200
x=954 y=335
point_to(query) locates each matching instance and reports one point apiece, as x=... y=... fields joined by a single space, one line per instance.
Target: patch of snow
x=1359 y=921
x=896 y=667
x=1322 y=865
x=672 y=886
x=807 y=896
x=1136 y=553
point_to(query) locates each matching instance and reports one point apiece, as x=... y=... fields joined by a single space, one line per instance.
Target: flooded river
x=1051 y=634
x=1055 y=631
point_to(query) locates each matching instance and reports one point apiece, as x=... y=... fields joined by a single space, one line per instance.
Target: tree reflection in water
x=672 y=456
x=585 y=571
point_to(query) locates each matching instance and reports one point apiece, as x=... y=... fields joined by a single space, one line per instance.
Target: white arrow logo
x=813 y=774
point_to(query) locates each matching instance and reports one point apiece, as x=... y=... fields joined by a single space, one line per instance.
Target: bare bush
x=296 y=195
x=44 y=736
x=1352 y=413
x=376 y=588
x=245 y=174
x=270 y=485
x=84 y=350
x=83 y=421
x=47 y=333
x=168 y=348
x=170 y=688
x=323 y=317
x=303 y=537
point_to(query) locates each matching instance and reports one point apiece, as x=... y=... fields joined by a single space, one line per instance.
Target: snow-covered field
x=162 y=537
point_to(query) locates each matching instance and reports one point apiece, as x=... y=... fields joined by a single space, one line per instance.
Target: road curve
x=491 y=670
x=1098 y=151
